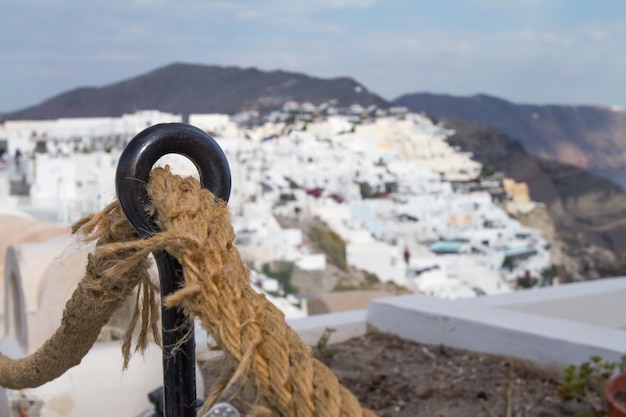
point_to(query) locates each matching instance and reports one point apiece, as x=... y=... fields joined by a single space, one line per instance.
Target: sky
x=525 y=51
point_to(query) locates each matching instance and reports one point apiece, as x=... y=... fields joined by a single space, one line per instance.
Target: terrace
x=550 y=326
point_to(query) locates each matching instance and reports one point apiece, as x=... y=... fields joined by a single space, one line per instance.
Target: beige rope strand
x=93 y=302
x=268 y=356
x=247 y=327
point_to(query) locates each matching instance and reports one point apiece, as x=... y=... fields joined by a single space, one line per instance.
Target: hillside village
x=334 y=209
x=369 y=192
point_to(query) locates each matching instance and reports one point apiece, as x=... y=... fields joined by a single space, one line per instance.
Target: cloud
x=522 y=65
x=271 y=5
x=301 y=15
x=518 y=49
x=517 y=4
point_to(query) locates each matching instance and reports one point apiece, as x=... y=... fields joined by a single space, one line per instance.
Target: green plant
x=549 y=274
x=346 y=287
x=487 y=171
x=282 y=273
x=508 y=263
x=526 y=281
x=331 y=244
x=399 y=289
x=366 y=190
x=516 y=401
x=290 y=120
x=292 y=184
x=287 y=197
x=585 y=383
x=321 y=350
x=371 y=278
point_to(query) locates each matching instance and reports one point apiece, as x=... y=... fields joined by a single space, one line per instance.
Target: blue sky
x=530 y=51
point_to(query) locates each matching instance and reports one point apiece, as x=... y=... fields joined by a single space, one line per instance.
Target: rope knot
x=265 y=355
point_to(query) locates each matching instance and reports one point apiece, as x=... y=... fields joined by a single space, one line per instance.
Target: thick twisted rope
x=267 y=355
x=96 y=298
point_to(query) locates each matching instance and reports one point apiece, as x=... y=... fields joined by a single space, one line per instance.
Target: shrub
x=287 y=197
x=282 y=273
x=487 y=171
x=331 y=244
x=366 y=190
x=585 y=383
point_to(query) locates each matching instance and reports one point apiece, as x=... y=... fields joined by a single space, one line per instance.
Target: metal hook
x=133 y=171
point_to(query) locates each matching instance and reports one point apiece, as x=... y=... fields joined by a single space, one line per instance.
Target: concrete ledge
x=553 y=327
x=554 y=293
x=346 y=325
x=600 y=303
x=496 y=324
x=484 y=328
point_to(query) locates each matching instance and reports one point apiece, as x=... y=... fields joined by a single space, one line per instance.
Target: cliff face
x=589 y=137
x=187 y=88
x=588 y=212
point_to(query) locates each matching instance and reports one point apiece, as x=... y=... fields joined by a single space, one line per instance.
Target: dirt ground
x=398 y=378
x=395 y=377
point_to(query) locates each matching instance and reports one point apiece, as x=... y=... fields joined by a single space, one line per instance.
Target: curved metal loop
x=133 y=172
x=141 y=153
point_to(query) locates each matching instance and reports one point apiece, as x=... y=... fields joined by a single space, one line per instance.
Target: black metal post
x=133 y=170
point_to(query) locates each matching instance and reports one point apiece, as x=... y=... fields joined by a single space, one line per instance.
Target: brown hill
x=589 y=212
x=186 y=88
x=589 y=137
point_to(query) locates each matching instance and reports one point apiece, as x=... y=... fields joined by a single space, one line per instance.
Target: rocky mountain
x=588 y=212
x=589 y=137
x=186 y=88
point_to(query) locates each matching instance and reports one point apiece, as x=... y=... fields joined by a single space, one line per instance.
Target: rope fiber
x=268 y=357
